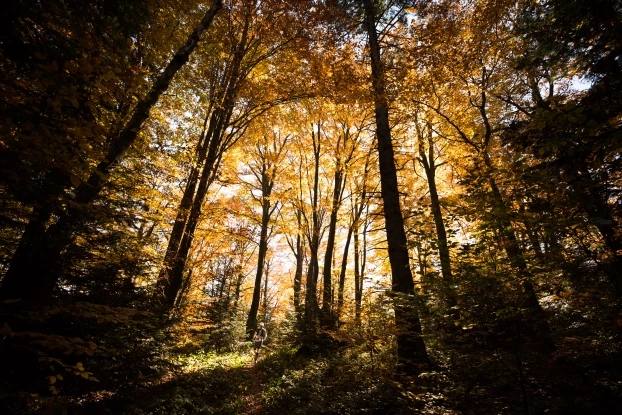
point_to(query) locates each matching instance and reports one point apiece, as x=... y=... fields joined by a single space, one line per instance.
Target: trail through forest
x=420 y=201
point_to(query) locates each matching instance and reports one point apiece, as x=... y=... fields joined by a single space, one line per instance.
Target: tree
x=411 y=350
x=265 y=167
x=235 y=101
x=428 y=162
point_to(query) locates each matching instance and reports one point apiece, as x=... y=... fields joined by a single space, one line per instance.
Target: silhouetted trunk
x=251 y=322
x=517 y=260
x=45 y=272
x=183 y=211
x=14 y=284
x=342 y=274
x=175 y=277
x=311 y=304
x=508 y=235
x=327 y=298
x=298 y=254
x=358 y=279
x=411 y=351
x=265 y=300
x=429 y=164
x=238 y=286
x=265 y=168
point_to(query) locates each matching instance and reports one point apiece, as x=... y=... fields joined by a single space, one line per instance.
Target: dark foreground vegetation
x=86 y=359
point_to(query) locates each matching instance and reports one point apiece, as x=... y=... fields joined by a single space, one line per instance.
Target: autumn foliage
x=423 y=198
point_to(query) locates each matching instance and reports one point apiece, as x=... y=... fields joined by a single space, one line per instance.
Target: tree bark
x=411 y=350
x=181 y=219
x=297 y=248
x=429 y=164
x=251 y=322
x=358 y=279
x=342 y=275
x=327 y=297
x=311 y=301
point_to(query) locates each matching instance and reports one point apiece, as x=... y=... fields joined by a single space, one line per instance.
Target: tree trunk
x=298 y=274
x=428 y=163
x=591 y=200
x=14 y=284
x=342 y=274
x=358 y=280
x=181 y=220
x=297 y=248
x=265 y=298
x=411 y=351
x=515 y=255
x=327 y=302
x=251 y=322
x=311 y=303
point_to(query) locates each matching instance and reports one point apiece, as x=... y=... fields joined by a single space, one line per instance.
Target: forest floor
x=281 y=382
x=138 y=370
x=284 y=381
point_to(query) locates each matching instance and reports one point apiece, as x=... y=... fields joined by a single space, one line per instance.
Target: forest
x=421 y=200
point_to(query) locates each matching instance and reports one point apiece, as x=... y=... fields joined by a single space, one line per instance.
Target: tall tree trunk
x=592 y=201
x=342 y=274
x=429 y=164
x=411 y=350
x=311 y=302
x=251 y=322
x=356 y=212
x=327 y=297
x=183 y=211
x=45 y=272
x=265 y=298
x=508 y=235
x=30 y=243
x=299 y=264
x=265 y=169
x=175 y=277
x=358 y=279
x=297 y=248
x=511 y=244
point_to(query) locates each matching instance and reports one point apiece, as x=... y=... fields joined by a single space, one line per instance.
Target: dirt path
x=253 y=402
